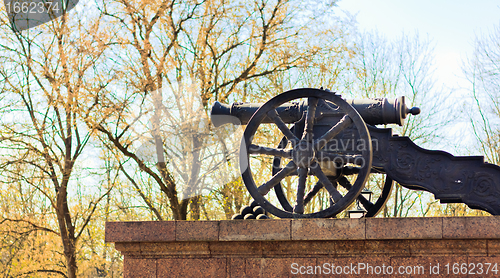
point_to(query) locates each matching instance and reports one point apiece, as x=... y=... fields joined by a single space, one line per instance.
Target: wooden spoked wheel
x=306 y=154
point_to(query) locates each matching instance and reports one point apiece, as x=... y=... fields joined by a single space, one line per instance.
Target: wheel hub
x=303 y=154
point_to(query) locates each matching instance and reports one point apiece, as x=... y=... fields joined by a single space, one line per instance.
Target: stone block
x=175 y=249
x=493 y=247
x=471 y=227
x=278 y=267
x=448 y=247
x=128 y=247
x=254 y=230
x=310 y=248
x=441 y=266
x=139 y=268
x=349 y=248
x=236 y=268
x=352 y=266
x=328 y=229
x=140 y=231
x=235 y=249
x=404 y=228
x=195 y=268
x=484 y=266
x=197 y=230
x=387 y=248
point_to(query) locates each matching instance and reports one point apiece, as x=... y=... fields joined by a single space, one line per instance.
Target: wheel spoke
x=336 y=196
x=256 y=149
x=282 y=126
x=336 y=129
x=299 y=207
x=295 y=173
x=312 y=103
x=312 y=192
x=344 y=182
x=348 y=170
x=289 y=168
x=340 y=158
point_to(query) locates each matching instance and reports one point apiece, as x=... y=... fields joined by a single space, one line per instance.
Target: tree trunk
x=68 y=245
x=195 y=207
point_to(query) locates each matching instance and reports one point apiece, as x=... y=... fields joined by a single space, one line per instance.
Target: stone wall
x=325 y=247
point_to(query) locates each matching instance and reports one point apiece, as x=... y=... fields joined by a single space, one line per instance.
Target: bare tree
x=47 y=75
x=483 y=72
x=482 y=106
x=220 y=46
x=402 y=67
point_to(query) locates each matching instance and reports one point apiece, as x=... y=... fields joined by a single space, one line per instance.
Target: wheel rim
x=374 y=209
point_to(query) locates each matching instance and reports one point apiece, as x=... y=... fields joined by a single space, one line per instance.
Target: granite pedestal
x=452 y=246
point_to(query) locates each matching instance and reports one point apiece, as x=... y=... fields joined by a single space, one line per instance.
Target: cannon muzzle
x=374 y=111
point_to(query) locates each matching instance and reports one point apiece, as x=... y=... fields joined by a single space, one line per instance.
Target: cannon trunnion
x=331 y=146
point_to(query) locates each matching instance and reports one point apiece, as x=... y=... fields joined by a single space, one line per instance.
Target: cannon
x=332 y=145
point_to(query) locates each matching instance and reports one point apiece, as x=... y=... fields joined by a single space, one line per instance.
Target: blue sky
x=451 y=25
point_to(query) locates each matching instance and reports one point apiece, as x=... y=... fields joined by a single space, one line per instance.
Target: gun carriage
x=337 y=141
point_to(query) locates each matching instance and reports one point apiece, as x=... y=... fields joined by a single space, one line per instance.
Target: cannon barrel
x=374 y=111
